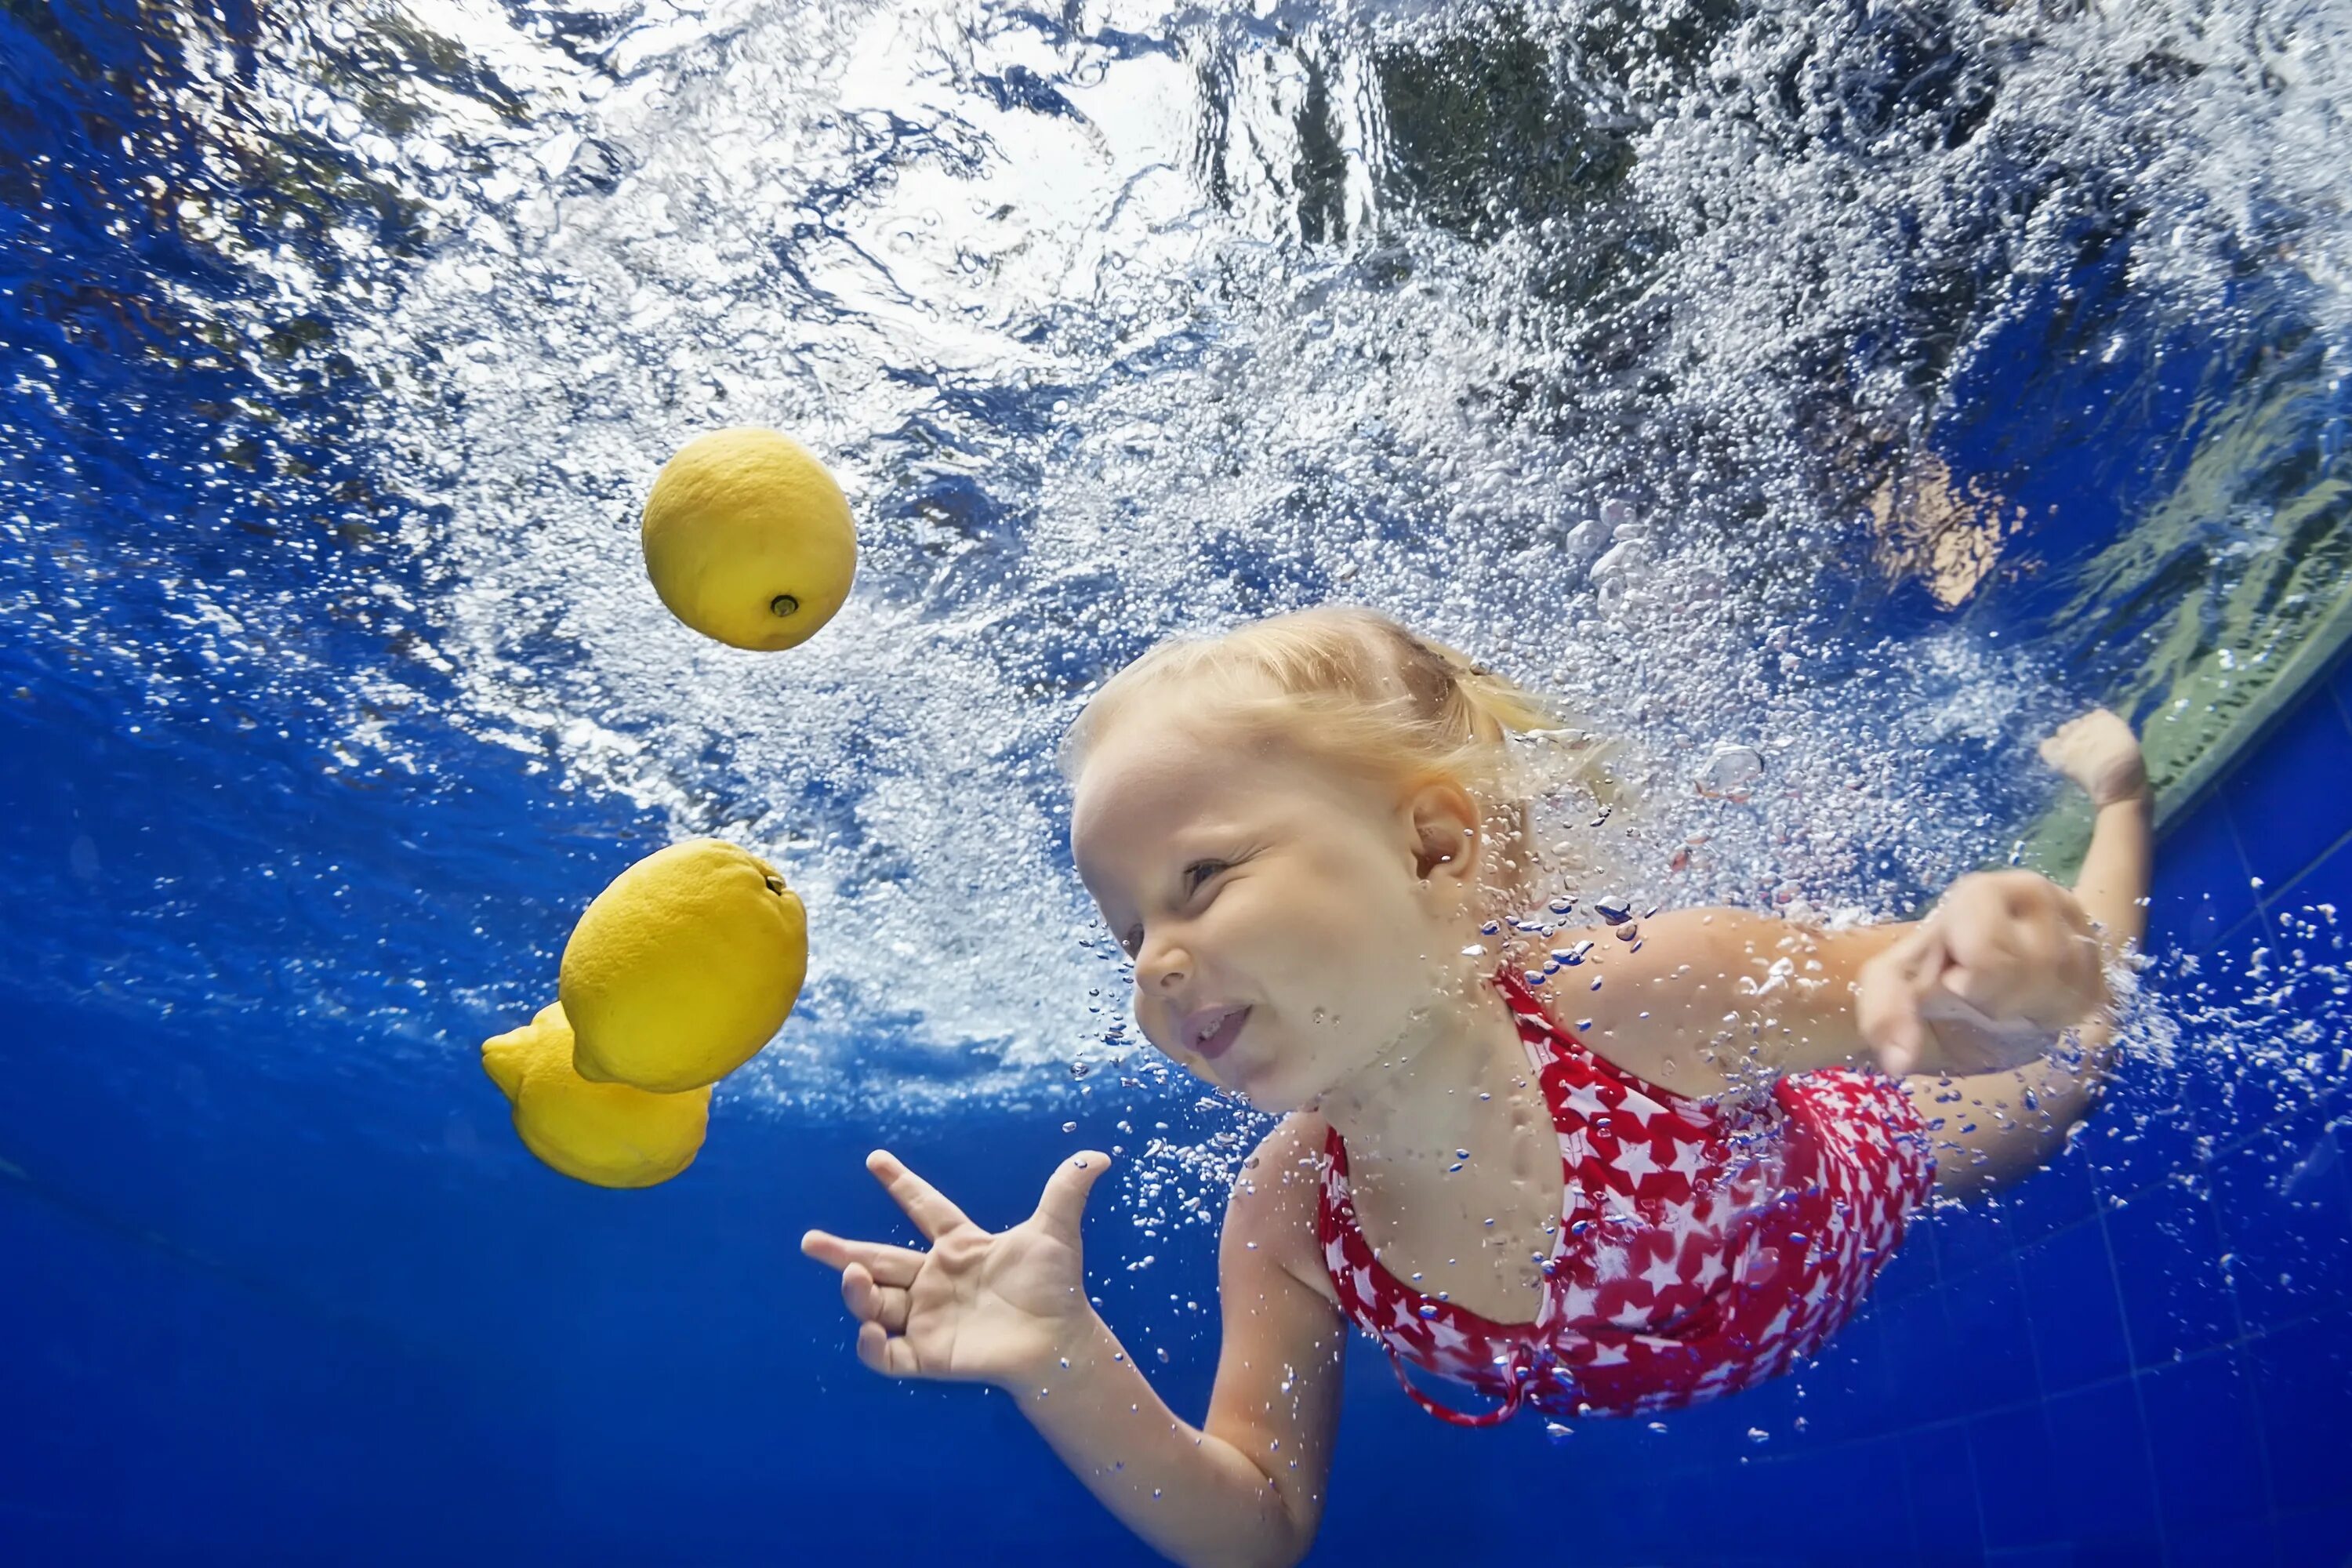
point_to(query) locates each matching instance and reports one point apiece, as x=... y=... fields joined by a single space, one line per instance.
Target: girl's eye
x=1198 y=872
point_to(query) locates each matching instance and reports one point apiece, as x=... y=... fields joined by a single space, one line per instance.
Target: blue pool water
x=1868 y=387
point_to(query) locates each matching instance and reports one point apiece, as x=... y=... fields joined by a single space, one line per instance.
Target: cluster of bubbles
x=1628 y=347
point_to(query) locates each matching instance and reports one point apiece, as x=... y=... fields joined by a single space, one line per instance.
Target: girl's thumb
x=1065 y=1199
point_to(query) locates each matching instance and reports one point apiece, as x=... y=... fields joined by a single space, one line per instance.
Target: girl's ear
x=1444 y=825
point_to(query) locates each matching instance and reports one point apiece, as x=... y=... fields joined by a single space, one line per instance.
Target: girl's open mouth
x=1217 y=1041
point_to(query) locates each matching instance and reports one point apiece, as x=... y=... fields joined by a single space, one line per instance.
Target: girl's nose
x=1163 y=967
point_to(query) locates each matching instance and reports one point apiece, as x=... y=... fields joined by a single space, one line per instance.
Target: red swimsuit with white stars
x=1703 y=1246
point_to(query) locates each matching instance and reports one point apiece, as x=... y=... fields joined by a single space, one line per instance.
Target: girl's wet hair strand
x=1360 y=692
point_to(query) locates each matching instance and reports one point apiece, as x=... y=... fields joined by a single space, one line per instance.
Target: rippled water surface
x=1720 y=367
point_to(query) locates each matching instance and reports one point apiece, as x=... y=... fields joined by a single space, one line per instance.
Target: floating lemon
x=682 y=969
x=607 y=1134
x=748 y=539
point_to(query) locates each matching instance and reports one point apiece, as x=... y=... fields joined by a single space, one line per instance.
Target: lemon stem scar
x=784 y=604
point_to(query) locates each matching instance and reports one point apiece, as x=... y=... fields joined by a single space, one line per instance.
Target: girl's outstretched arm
x=1010 y=1309
x=2006 y=965
x=1991 y=1129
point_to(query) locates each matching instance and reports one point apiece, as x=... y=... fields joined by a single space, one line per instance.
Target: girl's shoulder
x=1275 y=1196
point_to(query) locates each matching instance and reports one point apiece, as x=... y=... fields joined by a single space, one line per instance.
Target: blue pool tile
x=2199 y=887
x=1943 y=1484
x=1873 y=1475
x=2284 y=1203
x=2243 y=1544
x=2205 y=1435
x=1855 y=1390
x=2145 y=1136
x=2115 y=1551
x=1913 y=1268
x=2232 y=1017
x=2282 y=801
x=1969 y=1237
x=2167 y=1247
x=2070 y=1295
x=2050 y=1200
x=2015 y=1467
x=2113 y=1501
x=2235 y=1090
x=2315 y=1537
x=2303 y=1386
x=1987 y=1309
x=2327 y=883
x=1914 y=1334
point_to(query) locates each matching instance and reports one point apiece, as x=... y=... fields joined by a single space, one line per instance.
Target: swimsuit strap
x=1495 y=1417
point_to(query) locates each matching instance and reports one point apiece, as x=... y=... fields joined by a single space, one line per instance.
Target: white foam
x=1046 y=303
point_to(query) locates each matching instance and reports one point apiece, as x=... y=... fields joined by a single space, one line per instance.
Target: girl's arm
x=1010 y=1309
x=1247 y=1486
x=2005 y=966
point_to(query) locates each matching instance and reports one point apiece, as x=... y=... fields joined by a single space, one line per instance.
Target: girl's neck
x=1447 y=1085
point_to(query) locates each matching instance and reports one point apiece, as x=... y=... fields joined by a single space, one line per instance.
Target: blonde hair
x=1359 y=690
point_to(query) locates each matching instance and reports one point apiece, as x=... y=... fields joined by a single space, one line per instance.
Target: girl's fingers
x=1887 y=1005
x=933 y=1214
x=889 y=1354
x=1064 y=1201
x=1987 y=991
x=873 y=1303
x=890 y=1265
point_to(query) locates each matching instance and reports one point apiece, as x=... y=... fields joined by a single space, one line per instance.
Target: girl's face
x=1291 y=928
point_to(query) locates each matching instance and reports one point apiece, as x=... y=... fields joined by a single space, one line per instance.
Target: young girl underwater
x=1576 y=1198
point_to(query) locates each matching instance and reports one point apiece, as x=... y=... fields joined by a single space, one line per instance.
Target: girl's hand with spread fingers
x=977 y=1307
x=1987 y=982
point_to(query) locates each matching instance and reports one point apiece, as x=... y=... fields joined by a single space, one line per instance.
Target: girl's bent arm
x=1247 y=1487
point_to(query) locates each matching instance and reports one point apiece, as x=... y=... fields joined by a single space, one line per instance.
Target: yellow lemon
x=748 y=539
x=682 y=969
x=604 y=1133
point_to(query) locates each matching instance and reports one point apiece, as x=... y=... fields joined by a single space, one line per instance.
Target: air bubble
x=1730 y=771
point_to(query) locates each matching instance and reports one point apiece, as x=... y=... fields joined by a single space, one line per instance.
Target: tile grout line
x=2251 y=1337
x=2238 y=1315
x=2264 y=898
x=2140 y=1395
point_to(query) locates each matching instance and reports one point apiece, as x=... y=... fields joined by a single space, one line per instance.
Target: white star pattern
x=1717 y=1379
x=1448 y=1337
x=1586 y=1101
x=1635 y=1160
x=1679 y=1219
x=1710 y=1270
x=1641 y=1106
x=1838 y=1157
x=1690 y=1159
